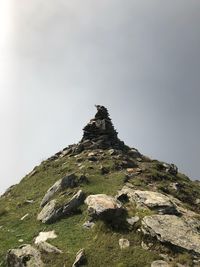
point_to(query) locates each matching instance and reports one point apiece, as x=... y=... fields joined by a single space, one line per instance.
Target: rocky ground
x=101 y=203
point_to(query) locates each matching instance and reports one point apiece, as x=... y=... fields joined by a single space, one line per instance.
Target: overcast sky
x=139 y=58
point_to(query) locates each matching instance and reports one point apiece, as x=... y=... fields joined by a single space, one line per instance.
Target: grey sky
x=140 y=58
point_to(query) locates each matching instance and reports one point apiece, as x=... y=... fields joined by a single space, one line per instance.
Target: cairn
x=100 y=133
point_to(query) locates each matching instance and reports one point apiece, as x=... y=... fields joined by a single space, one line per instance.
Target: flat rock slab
x=24 y=256
x=150 y=199
x=174 y=230
x=102 y=205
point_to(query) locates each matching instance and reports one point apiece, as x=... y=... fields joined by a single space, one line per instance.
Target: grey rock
x=159 y=263
x=68 y=181
x=24 y=256
x=52 y=212
x=150 y=199
x=133 y=220
x=103 y=206
x=48 y=248
x=88 y=225
x=80 y=258
x=175 y=230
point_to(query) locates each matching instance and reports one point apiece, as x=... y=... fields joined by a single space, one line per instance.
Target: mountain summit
x=101 y=203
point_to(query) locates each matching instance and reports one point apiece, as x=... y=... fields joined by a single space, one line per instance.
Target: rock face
x=100 y=132
x=174 y=230
x=68 y=181
x=25 y=256
x=53 y=211
x=153 y=200
x=103 y=206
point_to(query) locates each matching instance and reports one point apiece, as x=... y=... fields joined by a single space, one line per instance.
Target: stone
x=103 y=206
x=44 y=236
x=170 y=168
x=48 y=248
x=80 y=258
x=68 y=181
x=88 y=225
x=54 y=211
x=150 y=199
x=24 y=217
x=24 y=256
x=124 y=243
x=184 y=234
x=133 y=220
x=104 y=170
x=99 y=133
x=159 y=263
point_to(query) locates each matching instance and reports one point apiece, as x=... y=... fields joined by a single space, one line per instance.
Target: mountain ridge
x=101 y=203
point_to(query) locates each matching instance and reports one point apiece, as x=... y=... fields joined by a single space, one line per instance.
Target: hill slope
x=122 y=208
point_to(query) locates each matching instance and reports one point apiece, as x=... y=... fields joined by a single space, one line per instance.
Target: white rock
x=124 y=243
x=24 y=217
x=44 y=236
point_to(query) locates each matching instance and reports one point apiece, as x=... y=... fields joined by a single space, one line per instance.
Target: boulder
x=124 y=243
x=103 y=206
x=68 y=181
x=159 y=263
x=53 y=211
x=80 y=258
x=24 y=256
x=133 y=220
x=174 y=230
x=150 y=199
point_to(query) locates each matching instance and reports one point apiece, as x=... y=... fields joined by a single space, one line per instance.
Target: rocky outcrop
x=69 y=181
x=54 y=210
x=150 y=199
x=80 y=258
x=174 y=230
x=103 y=206
x=24 y=256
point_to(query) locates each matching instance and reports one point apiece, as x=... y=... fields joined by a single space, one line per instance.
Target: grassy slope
x=101 y=242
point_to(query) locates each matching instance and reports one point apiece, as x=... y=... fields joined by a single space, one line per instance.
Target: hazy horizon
x=139 y=58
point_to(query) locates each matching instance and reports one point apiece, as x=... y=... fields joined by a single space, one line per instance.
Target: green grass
x=101 y=242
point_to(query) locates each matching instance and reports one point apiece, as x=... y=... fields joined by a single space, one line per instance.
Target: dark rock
x=99 y=133
x=171 y=168
x=104 y=170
